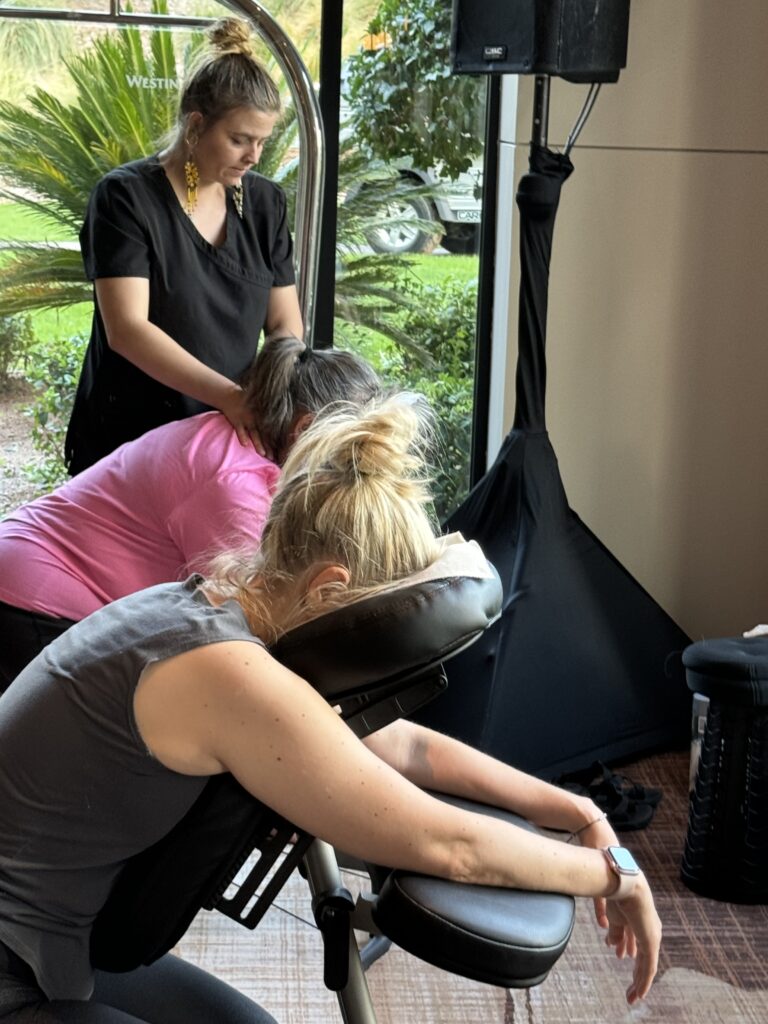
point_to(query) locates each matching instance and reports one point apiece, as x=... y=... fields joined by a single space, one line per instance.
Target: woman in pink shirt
x=161 y=506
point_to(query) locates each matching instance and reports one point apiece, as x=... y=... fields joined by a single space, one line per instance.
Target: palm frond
x=43 y=210
x=38 y=276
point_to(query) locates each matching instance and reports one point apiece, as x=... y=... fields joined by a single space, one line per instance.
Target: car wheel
x=463 y=239
x=400 y=229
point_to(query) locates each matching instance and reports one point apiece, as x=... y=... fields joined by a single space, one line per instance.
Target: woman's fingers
x=252 y=436
x=646 y=966
x=601 y=914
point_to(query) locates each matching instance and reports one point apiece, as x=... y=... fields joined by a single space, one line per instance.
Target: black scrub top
x=211 y=300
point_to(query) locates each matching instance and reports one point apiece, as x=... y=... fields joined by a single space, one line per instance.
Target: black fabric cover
x=583 y=663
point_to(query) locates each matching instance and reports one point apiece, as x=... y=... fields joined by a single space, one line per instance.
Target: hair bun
x=384 y=442
x=230 y=35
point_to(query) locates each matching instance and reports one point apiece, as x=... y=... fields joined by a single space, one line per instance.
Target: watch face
x=624 y=860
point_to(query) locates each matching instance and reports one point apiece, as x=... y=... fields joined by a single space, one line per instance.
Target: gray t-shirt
x=79 y=791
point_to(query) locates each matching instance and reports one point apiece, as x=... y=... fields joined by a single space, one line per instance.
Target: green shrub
x=443 y=324
x=404 y=100
x=53 y=373
x=16 y=339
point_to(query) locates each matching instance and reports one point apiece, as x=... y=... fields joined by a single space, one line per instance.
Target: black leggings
x=170 y=991
x=23 y=635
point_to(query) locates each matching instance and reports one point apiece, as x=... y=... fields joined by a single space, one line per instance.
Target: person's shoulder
x=216 y=442
x=129 y=176
x=207 y=444
x=263 y=188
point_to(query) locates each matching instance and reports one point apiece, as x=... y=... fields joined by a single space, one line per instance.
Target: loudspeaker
x=579 y=40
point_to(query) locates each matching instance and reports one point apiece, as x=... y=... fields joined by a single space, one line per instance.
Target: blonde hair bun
x=230 y=35
x=384 y=442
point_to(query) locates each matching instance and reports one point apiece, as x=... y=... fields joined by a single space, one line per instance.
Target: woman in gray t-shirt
x=108 y=736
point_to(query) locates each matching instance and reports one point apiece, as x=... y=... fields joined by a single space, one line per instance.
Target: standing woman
x=191 y=257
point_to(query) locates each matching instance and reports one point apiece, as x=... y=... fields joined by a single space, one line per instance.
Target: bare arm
x=437 y=762
x=124 y=306
x=283 y=313
x=231 y=707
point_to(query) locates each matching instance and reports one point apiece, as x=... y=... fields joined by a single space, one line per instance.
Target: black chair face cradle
x=378 y=660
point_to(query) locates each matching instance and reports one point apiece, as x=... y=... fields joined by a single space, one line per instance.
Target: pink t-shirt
x=153 y=511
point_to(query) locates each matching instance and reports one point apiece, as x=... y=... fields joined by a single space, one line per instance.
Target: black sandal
x=627 y=805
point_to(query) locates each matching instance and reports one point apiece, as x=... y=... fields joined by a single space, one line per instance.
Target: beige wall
x=658 y=362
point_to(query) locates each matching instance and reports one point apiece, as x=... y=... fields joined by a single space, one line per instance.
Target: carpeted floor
x=714 y=967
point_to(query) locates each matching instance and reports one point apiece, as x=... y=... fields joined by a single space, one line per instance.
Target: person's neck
x=257 y=624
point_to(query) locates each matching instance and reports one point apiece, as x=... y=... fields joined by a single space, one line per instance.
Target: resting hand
x=597 y=836
x=235 y=408
x=634 y=930
x=760 y=630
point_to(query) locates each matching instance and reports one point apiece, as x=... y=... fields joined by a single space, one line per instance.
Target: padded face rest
x=392 y=632
x=507 y=937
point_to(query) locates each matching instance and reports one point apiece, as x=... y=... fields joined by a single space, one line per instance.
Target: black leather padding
x=505 y=937
x=395 y=631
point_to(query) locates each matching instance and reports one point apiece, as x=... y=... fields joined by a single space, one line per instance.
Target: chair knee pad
x=505 y=937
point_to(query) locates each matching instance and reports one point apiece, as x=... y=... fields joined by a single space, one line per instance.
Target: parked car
x=439 y=211
x=428 y=210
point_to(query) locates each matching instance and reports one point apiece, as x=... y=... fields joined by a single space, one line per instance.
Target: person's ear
x=298 y=427
x=333 y=577
x=194 y=127
x=301 y=424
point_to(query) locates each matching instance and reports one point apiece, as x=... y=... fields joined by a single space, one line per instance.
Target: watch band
x=626 y=869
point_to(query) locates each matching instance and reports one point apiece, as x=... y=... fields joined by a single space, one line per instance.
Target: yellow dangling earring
x=237 y=195
x=192 y=178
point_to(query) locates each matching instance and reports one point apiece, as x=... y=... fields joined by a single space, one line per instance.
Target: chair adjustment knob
x=333 y=909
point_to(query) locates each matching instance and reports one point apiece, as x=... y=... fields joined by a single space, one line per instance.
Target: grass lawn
x=19 y=224
x=436 y=268
x=62 y=323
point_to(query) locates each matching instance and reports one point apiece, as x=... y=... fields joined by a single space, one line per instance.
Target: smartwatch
x=625 y=867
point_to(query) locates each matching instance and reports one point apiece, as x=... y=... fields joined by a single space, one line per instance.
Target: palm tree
x=53 y=154
x=28 y=44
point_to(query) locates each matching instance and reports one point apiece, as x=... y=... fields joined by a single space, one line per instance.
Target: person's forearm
x=437 y=762
x=511 y=856
x=287 y=327
x=160 y=357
